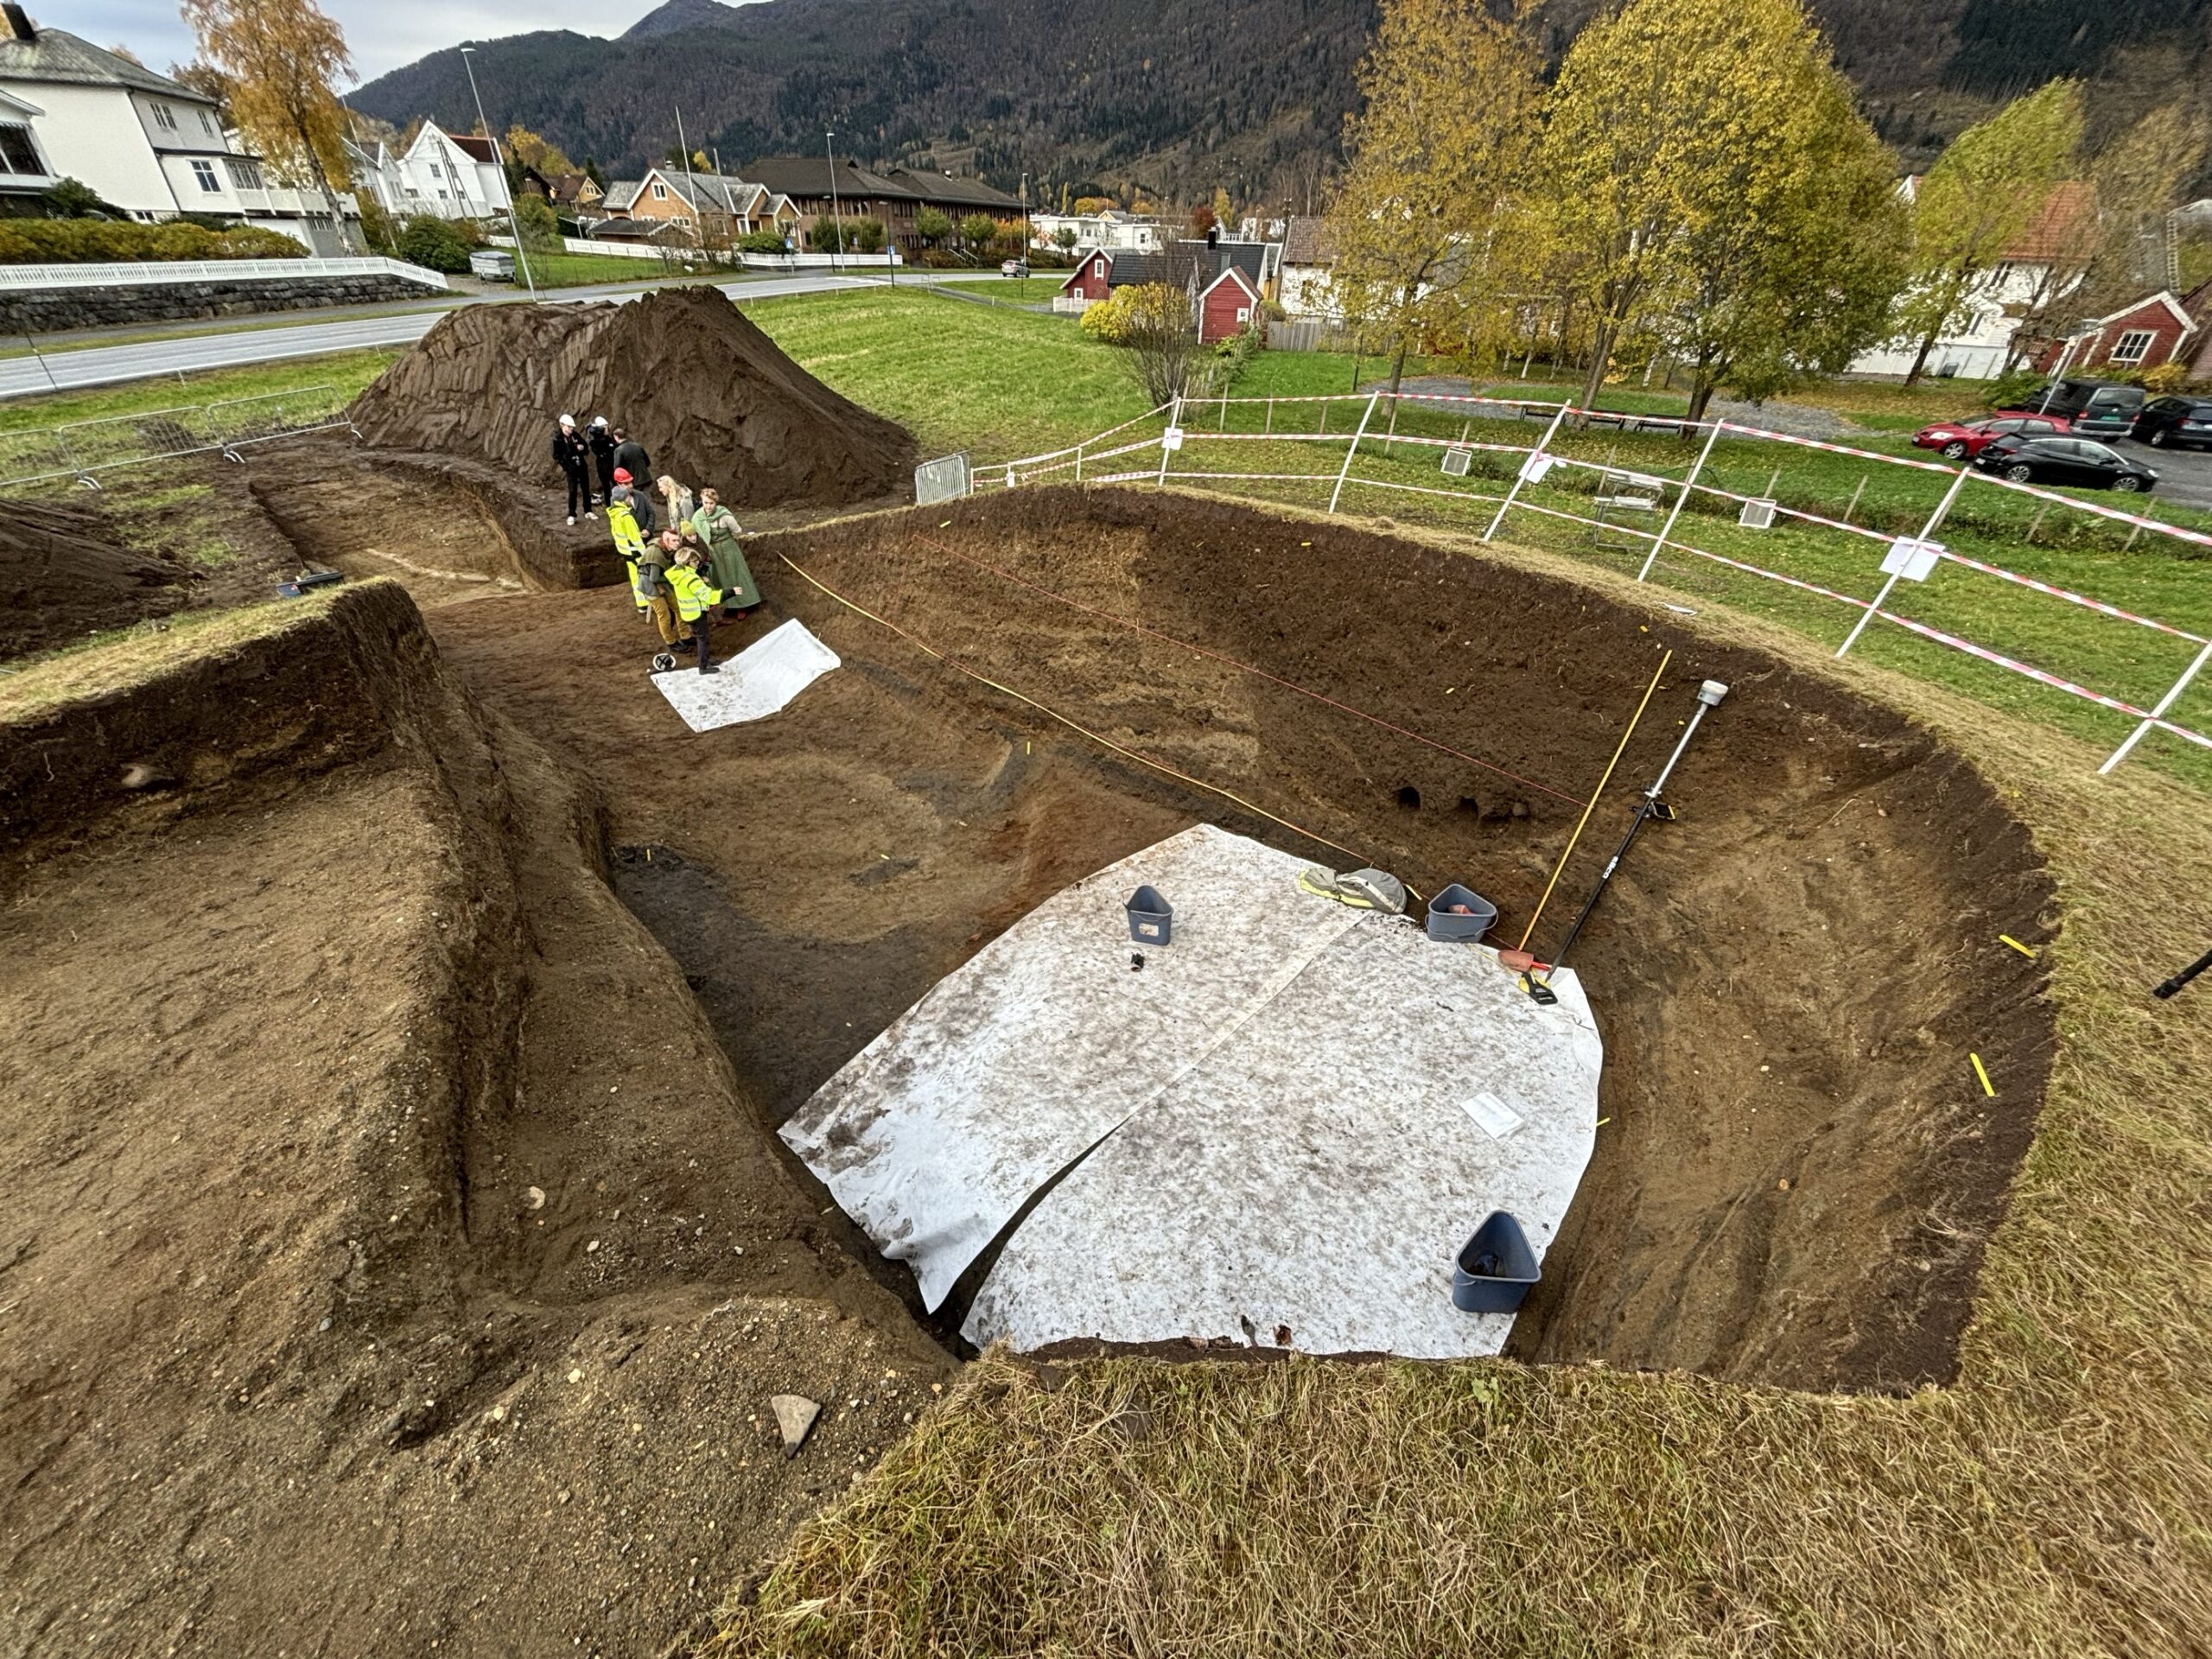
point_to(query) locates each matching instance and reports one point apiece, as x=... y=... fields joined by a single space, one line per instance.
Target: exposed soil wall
x=364 y=510
x=63 y=575
x=712 y=399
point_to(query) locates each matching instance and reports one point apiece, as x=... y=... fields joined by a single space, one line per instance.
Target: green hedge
x=104 y=241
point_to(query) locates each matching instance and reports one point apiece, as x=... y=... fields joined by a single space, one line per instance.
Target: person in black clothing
x=630 y=456
x=573 y=456
x=602 y=453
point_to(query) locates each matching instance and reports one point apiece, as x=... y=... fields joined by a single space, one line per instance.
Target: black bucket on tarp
x=1446 y=928
x=1495 y=1268
x=1152 y=919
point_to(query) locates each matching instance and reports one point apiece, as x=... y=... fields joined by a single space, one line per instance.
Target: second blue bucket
x=1450 y=929
x=1152 y=919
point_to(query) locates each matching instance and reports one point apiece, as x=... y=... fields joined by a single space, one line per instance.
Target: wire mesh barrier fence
x=82 y=450
x=2094 y=617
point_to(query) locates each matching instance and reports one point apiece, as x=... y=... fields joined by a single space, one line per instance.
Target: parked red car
x=1963 y=440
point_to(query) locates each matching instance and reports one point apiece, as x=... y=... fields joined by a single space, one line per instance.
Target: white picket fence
x=137 y=275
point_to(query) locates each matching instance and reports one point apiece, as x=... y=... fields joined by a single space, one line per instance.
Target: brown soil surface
x=287 y=1044
x=712 y=399
x=64 y=574
x=367 y=514
x=286 y=1048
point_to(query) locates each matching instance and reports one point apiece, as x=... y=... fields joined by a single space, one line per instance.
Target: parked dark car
x=2077 y=463
x=2176 y=423
x=2092 y=407
x=1962 y=440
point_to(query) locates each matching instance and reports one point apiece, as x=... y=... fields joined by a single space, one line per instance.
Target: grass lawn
x=592 y=270
x=989 y=379
x=1027 y=291
x=346 y=373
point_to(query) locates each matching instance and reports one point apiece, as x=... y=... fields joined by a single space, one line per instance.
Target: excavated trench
x=1796 y=1170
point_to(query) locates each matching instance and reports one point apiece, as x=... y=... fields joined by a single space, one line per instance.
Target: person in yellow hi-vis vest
x=696 y=598
x=645 y=562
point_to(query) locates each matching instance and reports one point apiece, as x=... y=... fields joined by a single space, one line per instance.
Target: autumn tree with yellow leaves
x=1714 y=195
x=1984 y=191
x=1430 y=222
x=283 y=59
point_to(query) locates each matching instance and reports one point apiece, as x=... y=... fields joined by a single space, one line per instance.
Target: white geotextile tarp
x=1284 y=1110
x=758 y=682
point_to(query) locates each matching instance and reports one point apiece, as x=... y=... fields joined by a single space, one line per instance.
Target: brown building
x=893 y=195
x=701 y=207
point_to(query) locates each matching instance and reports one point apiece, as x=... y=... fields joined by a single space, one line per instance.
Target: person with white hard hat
x=573 y=456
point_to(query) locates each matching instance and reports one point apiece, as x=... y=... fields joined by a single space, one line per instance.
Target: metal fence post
x=1934 y=522
x=1520 y=478
x=1352 y=448
x=2158 y=713
x=1681 y=501
x=1078 y=461
x=1174 y=419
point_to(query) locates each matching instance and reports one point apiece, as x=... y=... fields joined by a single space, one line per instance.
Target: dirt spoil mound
x=711 y=397
x=63 y=575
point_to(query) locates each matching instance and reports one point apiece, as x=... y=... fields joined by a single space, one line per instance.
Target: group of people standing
x=680 y=574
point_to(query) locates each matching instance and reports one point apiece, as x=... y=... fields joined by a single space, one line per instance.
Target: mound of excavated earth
x=711 y=397
x=62 y=575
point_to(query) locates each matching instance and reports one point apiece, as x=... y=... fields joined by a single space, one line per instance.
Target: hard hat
x=568 y=420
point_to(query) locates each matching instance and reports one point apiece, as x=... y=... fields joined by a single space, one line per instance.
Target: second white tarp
x=1281 y=1128
x=758 y=682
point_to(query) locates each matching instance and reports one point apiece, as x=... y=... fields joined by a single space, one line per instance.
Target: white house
x=1308 y=256
x=443 y=174
x=1112 y=230
x=148 y=145
x=2042 y=265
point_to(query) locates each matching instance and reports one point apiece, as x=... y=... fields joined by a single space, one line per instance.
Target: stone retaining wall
x=55 y=310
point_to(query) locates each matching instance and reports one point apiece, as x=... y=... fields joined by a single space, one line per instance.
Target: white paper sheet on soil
x=1286 y=1105
x=756 y=683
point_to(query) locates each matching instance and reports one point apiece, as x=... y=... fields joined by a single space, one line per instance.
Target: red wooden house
x=1227 y=306
x=2143 y=335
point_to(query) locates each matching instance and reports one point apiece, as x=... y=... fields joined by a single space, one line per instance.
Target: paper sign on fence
x=1534 y=468
x=1171 y=439
x=1912 y=559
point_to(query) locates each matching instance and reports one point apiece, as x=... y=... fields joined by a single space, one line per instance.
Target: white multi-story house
x=2043 y=264
x=146 y=145
x=448 y=174
x=1113 y=231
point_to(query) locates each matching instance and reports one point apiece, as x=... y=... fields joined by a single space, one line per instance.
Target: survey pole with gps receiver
x=1708 y=696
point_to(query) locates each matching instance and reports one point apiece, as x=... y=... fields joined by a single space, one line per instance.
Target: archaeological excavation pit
x=1793 y=1166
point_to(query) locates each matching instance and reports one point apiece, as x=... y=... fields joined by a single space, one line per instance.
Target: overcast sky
x=384 y=34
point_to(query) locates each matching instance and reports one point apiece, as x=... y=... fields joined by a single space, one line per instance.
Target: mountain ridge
x=1170 y=96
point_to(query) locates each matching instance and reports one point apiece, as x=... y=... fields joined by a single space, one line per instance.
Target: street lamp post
x=836 y=223
x=513 y=224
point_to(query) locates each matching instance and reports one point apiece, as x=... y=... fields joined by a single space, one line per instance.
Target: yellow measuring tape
x=1596 y=795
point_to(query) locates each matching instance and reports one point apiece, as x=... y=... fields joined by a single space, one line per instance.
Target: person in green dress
x=716 y=527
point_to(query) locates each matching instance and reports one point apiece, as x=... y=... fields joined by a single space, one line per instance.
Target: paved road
x=193 y=354
x=2184 y=475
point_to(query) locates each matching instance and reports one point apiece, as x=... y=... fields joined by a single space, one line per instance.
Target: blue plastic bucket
x=1152 y=919
x=1495 y=1268
x=1446 y=928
